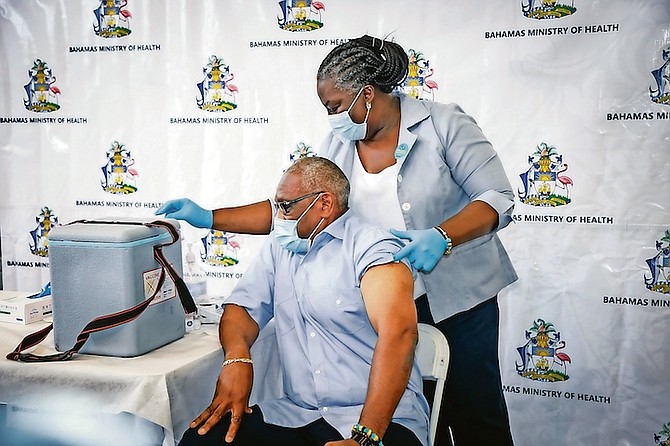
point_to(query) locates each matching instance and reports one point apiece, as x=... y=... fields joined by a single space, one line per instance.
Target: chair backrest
x=432 y=354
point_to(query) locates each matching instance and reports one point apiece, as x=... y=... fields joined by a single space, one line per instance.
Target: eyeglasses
x=285 y=206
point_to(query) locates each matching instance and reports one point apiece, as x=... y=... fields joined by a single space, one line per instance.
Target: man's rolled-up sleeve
x=255 y=289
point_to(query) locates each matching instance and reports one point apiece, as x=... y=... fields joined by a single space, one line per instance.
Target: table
x=163 y=390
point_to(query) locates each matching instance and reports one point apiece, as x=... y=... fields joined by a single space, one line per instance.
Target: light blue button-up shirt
x=324 y=336
x=445 y=163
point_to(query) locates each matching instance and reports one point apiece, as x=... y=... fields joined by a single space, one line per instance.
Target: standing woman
x=426 y=170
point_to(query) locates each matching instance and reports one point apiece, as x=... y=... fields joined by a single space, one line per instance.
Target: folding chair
x=432 y=354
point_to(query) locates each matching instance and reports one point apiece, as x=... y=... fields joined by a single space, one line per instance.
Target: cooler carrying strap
x=114 y=319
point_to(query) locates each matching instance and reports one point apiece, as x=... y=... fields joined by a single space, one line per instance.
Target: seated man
x=345 y=323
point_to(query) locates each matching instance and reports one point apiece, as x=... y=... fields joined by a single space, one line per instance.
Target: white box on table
x=17 y=307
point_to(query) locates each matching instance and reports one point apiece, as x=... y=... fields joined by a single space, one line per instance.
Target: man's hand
x=189 y=211
x=232 y=395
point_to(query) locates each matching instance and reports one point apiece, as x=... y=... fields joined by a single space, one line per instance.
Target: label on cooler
x=151 y=278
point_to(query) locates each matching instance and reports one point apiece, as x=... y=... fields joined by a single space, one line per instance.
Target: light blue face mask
x=343 y=125
x=286 y=232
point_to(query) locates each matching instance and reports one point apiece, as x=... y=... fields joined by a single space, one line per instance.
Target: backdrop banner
x=110 y=108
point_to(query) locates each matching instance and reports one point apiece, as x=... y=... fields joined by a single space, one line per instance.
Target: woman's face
x=338 y=101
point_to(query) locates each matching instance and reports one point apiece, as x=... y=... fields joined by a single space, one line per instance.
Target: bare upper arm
x=388 y=295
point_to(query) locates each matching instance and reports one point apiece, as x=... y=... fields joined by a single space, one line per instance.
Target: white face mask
x=286 y=232
x=343 y=125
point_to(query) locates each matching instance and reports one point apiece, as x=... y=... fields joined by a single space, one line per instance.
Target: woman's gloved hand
x=425 y=249
x=189 y=211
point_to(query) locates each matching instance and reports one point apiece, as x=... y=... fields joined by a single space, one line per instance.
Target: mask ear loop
x=297 y=220
x=309 y=237
x=368 y=105
x=356 y=98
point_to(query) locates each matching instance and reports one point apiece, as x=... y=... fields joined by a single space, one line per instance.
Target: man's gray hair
x=321 y=174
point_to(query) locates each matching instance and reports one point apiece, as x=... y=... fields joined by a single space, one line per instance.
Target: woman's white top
x=374 y=197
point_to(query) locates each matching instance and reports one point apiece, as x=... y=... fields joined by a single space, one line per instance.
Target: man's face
x=290 y=192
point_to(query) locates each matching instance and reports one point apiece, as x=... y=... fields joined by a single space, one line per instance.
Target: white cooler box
x=98 y=269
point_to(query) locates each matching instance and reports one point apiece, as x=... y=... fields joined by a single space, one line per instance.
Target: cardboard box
x=17 y=307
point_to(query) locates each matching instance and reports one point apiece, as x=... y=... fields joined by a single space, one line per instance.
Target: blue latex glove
x=425 y=249
x=45 y=291
x=187 y=210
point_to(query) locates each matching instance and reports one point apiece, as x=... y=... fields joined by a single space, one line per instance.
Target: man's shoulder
x=361 y=232
x=356 y=223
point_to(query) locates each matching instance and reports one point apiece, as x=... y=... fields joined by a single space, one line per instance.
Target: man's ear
x=327 y=205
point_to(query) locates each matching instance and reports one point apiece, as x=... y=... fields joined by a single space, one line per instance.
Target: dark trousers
x=473 y=406
x=254 y=431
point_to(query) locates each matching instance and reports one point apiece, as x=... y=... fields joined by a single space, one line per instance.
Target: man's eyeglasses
x=285 y=206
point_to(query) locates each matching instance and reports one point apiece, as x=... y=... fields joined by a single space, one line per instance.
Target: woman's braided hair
x=363 y=61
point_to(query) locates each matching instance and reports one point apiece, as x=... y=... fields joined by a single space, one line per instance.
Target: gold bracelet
x=447 y=238
x=234 y=360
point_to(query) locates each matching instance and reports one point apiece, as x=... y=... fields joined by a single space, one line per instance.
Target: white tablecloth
x=167 y=387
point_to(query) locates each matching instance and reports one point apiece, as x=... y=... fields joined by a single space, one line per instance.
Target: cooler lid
x=98 y=231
